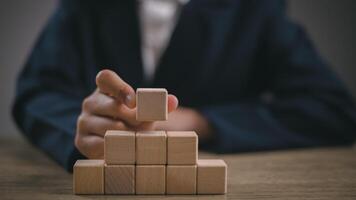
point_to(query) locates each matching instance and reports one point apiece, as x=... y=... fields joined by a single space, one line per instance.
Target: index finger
x=108 y=82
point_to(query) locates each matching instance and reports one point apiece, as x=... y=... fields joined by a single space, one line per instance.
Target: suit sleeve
x=305 y=104
x=50 y=89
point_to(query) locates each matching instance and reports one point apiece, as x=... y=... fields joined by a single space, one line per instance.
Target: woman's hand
x=112 y=106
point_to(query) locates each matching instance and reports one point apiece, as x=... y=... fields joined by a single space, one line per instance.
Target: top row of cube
x=151 y=104
x=150 y=147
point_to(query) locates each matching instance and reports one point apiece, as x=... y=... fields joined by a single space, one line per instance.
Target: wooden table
x=326 y=173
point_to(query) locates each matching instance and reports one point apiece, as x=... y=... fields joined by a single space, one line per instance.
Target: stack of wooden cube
x=150 y=162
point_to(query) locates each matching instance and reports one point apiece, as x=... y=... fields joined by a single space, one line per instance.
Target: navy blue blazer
x=244 y=65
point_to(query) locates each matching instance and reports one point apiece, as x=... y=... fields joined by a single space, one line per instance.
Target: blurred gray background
x=331 y=25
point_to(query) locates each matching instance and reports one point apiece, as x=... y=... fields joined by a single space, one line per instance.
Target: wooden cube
x=182 y=147
x=88 y=177
x=211 y=177
x=150 y=179
x=119 y=147
x=151 y=104
x=119 y=179
x=181 y=179
x=151 y=147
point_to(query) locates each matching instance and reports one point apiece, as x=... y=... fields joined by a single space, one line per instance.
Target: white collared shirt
x=158 y=19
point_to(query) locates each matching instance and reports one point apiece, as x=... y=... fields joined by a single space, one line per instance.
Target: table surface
x=325 y=173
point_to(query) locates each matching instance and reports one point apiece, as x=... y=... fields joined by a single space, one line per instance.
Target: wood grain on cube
x=181 y=179
x=119 y=179
x=150 y=179
x=211 y=177
x=119 y=147
x=88 y=177
x=182 y=147
x=151 y=147
x=151 y=104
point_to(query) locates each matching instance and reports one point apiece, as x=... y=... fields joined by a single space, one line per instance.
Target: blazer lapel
x=182 y=53
x=218 y=16
x=196 y=45
x=122 y=35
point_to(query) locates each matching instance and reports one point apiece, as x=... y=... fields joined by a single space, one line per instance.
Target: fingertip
x=108 y=82
x=102 y=75
x=130 y=99
x=172 y=103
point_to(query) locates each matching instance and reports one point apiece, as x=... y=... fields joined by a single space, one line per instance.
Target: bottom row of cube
x=95 y=177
